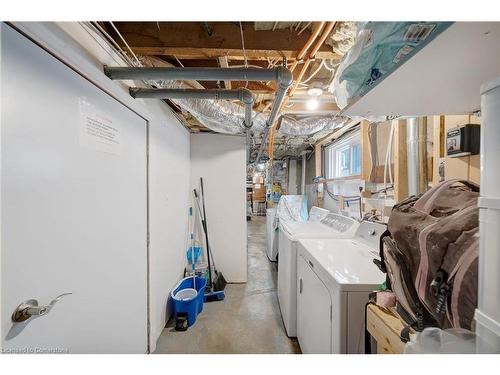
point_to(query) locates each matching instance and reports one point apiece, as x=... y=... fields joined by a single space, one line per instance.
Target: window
x=343 y=157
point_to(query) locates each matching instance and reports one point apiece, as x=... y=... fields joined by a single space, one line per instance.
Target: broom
x=217 y=282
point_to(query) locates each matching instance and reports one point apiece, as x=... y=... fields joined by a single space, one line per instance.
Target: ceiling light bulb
x=315 y=91
x=312 y=104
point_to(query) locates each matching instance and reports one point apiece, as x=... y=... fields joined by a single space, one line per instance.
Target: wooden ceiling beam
x=231 y=54
x=224 y=64
x=190 y=40
x=301 y=108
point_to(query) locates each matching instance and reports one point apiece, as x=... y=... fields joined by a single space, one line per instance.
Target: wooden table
x=385 y=327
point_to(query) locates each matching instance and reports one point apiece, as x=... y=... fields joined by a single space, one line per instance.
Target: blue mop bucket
x=186 y=301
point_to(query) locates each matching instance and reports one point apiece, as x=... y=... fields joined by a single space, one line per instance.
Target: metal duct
x=218 y=115
x=284 y=84
x=241 y=94
x=412 y=157
x=311 y=125
x=281 y=75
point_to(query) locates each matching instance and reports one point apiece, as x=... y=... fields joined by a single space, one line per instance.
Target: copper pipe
x=328 y=29
x=315 y=33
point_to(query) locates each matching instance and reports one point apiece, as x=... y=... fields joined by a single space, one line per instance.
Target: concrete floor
x=247 y=321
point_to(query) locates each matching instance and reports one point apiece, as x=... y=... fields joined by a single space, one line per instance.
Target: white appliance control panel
x=369 y=233
x=338 y=222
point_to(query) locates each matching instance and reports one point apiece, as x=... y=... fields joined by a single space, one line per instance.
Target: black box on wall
x=463 y=140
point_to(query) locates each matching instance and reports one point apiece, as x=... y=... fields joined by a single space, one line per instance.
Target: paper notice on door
x=98 y=131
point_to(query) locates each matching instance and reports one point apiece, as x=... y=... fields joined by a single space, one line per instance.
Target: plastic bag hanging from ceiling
x=311 y=125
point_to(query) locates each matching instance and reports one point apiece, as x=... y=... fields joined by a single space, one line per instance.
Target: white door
x=314 y=315
x=73 y=208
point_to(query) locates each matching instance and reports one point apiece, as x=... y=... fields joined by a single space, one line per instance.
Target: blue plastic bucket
x=191 y=306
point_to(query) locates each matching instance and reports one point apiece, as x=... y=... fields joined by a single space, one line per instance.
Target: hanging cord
x=126 y=44
x=313 y=74
x=244 y=51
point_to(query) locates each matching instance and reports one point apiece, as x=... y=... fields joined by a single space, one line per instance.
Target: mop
x=215 y=287
x=181 y=323
x=191 y=224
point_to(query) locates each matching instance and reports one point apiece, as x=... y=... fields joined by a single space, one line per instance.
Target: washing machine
x=315 y=214
x=331 y=226
x=334 y=280
x=272 y=238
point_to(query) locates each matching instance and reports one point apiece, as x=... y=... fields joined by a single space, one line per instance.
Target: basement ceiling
x=245 y=44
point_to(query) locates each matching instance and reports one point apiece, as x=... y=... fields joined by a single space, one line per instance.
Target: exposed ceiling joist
x=231 y=54
x=301 y=108
x=224 y=64
x=190 y=40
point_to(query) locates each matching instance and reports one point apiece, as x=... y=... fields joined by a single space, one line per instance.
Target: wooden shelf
x=385 y=327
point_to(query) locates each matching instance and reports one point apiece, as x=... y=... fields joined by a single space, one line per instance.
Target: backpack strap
x=381 y=263
x=425 y=203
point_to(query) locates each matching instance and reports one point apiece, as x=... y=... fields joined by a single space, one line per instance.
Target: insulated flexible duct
x=213 y=116
x=311 y=125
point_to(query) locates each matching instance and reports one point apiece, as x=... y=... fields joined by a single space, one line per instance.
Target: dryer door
x=314 y=314
x=287 y=282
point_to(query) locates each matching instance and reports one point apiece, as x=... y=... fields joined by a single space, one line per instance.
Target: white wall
x=169 y=172
x=169 y=154
x=221 y=161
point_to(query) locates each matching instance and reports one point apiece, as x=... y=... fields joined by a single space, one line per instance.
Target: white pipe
x=303 y=179
x=388 y=154
x=389 y=149
x=412 y=158
x=488 y=312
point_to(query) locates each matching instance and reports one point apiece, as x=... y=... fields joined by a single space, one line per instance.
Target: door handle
x=30 y=308
x=300 y=286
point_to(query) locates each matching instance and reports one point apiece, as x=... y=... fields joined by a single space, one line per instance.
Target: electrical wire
x=124 y=41
x=244 y=51
x=243 y=45
x=313 y=74
x=303 y=28
x=331 y=68
x=391 y=187
x=117 y=49
x=246 y=66
x=179 y=61
x=347 y=199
